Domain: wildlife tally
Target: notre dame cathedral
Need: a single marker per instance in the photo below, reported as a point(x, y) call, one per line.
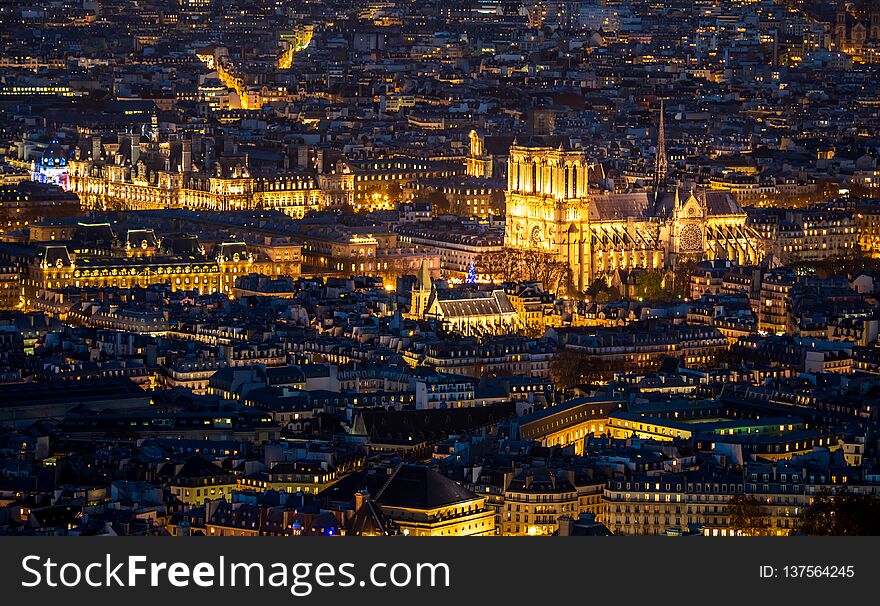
point(552, 207)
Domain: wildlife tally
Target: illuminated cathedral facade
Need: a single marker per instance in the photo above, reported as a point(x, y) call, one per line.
point(552, 207)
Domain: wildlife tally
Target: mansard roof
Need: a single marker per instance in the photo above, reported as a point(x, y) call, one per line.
point(55, 255)
point(135, 238)
point(417, 487)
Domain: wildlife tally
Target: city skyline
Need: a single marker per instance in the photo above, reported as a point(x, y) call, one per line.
point(439, 268)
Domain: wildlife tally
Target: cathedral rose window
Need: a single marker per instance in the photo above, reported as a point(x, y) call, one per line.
point(691, 238)
point(536, 236)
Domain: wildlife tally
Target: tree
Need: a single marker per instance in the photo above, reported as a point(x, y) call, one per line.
point(554, 275)
point(492, 265)
point(680, 285)
point(440, 204)
point(843, 514)
point(513, 265)
point(649, 285)
point(511, 262)
point(394, 190)
point(748, 517)
point(530, 332)
point(500, 266)
point(396, 267)
point(530, 265)
point(599, 285)
point(497, 201)
point(570, 368)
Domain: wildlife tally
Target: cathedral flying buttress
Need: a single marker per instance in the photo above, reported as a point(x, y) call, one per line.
point(552, 208)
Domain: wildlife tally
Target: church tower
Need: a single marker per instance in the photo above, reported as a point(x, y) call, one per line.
point(548, 202)
point(874, 31)
point(476, 165)
point(421, 292)
point(840, 25)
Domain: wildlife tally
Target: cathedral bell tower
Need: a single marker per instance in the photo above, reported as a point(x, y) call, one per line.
point(548, 202)
point(840, 25)
point(874, 31)
point(476, 163)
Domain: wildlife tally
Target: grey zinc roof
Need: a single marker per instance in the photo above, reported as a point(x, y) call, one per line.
point(494, 304)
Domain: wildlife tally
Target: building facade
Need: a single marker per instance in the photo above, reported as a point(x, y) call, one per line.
point(132, 175)
point(551, 207)
point(54, 268)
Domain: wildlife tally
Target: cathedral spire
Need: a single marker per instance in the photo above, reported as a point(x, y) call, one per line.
point(425, 281)
point(661, 165)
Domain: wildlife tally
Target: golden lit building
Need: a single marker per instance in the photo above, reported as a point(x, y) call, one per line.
point(422, 502)
point(283, 252)
point(553, 208)
point(867, 221)
point(22, 204)
point(421, 292)
point(309, 477)
point(197, 480)
point(294, 42)
point(533, 305)
point(132, 175)
point(465, 310)
point(54, 267)
point(10, 286)
point(534, 501)
point(651, 505)
point(566, 424)
point(473, 312)
point(378, 184)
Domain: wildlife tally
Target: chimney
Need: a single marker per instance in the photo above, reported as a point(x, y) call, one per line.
point(186, 156)
point(135, 148)
point(209, 153)
point(360, 497)
point(565, 525)
point(197, 147)
point(211, 508)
